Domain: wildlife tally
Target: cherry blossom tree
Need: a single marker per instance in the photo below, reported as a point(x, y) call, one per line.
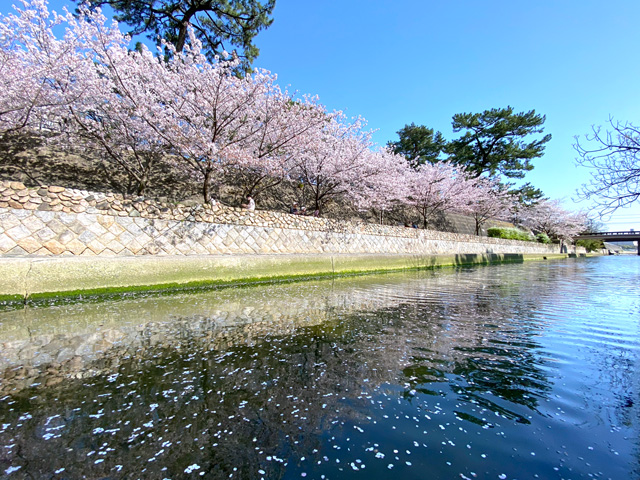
point(77, 90)
point(136, 109)
point(437, 188)
point(488, 199)
point(40, 74)
point(551, 218)
point(389, 185)
point(283, 124)
point(31, 62)
point(338, 160)
point(116, 118)
point(208, 113)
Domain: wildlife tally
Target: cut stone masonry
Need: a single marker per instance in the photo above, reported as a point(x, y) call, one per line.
point(52, 221)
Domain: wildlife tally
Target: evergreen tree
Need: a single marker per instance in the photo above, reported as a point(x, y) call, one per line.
point(527, 194)
point(493, 142)
point(419, 144)
point(220, 25)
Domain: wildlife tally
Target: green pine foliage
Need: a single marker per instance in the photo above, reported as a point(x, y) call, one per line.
point(229, 25)
point(493, 142)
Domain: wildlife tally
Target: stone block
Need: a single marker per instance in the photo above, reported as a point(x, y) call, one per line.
point(183, 248)
point(105, 220)
point(6, 243)
point(44, 234)
point(227, 241)
point(152, 249)
point(45, 216)
point(143, 239)
point(67, 218)
point(125, 238)
point(30, 206)
point(8, 220)
point(116, 229)
point(134, 229)
point(96, 229)
point(199, 249)
point(18, 232)
point(76, 247)
point(56, 226)
point(86, 236)
point(17, 251)
point(22, 214)
point(30, 245)
point(96, 246)
point(87, 220)
point(134, 247)
point(65, 237)
point(54, 247)
point(107, 237)
point(115, 246)
point(33, 223)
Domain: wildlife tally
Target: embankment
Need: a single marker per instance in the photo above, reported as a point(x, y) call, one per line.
point(63, 242)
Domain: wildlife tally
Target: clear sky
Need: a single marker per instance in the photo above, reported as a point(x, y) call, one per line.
point(402, 61)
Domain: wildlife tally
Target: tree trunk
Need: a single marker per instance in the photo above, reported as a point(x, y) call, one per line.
point(206, 191)
point(184, 28)
point(142, 185)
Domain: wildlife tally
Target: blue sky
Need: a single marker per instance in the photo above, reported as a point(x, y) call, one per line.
point(402, 61)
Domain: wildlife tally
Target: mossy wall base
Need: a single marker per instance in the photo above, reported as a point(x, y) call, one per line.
point(32, 280)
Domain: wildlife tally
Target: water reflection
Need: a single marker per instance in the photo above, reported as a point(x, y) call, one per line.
point(490, 372)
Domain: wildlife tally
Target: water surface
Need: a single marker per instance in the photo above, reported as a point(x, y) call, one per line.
point(513, 371)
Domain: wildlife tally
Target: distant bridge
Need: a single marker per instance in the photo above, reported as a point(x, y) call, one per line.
point(631, 235)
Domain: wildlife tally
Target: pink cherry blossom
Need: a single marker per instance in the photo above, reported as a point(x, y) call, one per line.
point(437, 188)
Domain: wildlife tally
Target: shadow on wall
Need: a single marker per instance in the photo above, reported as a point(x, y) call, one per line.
point(461, 259)
point(485, 259)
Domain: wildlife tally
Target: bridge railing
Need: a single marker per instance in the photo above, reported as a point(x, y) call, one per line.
point(610, 234)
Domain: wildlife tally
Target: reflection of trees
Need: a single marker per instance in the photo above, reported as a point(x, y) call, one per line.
point(171, 408)
point(488, 348)
point(268, 375)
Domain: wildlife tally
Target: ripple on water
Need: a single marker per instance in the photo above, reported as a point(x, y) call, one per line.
point(513, 371)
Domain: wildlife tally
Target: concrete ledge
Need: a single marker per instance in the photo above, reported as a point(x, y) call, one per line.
point(34, 280)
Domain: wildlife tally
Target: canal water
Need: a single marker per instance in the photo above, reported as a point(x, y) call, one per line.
point(516, 371)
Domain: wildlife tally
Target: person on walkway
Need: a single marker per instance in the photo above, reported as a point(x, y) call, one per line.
point(294, 209)
point(250, 205)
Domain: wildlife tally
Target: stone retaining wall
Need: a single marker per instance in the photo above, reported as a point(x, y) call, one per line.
point(53, 221)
